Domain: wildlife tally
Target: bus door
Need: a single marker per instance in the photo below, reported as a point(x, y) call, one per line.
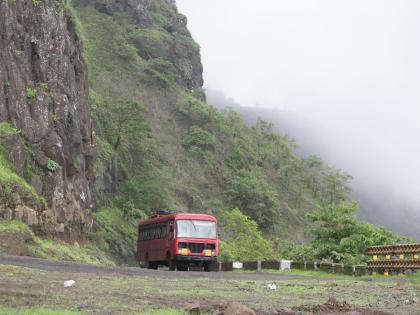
point(170, 236)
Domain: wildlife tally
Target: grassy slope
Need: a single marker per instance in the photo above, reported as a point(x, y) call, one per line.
point(45, 248)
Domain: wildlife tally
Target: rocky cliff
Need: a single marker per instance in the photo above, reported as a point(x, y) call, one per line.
point(43, 98)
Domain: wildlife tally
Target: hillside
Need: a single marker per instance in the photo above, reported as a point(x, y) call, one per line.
point(165, 147)
point(154, 143)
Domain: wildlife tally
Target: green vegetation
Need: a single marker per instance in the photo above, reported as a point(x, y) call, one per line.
point(197, 137)
point(116, 234)
point(31, 94)
point(242, 239)
point(6, 129)
point(34, 311)
point(72, 15)
point(36, 2)
point(43, 311)
point(9, 180)
point(52, 166)
point(14, 227)
point(45, 248)
point(339, 236)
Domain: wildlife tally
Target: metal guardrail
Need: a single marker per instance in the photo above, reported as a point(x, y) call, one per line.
point(393, 258)
point(385, 258)
point(355, 270)
point(393, 249)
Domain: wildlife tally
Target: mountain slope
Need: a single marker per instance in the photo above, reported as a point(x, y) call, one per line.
point(162, 146)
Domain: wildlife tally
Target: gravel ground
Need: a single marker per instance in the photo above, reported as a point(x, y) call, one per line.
point(30, 282)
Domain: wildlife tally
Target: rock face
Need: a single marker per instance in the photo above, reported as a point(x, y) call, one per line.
point(183, 55)
point(43, 94)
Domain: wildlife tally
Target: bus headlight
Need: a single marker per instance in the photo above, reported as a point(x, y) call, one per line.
point(212, 253)
point(179, 251)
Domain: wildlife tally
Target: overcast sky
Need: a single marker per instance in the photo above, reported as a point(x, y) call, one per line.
point(350, 67)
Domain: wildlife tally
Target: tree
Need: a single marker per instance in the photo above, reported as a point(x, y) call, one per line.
point(241, 239)
point(339, 236)
point(336, 186)
point(248, 191)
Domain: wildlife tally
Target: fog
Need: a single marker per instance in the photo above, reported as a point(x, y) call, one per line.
point(342, 77)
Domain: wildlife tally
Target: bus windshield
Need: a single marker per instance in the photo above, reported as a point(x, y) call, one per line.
point(196, 229)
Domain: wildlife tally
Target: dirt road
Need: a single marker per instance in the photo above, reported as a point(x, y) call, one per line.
point(51, 265)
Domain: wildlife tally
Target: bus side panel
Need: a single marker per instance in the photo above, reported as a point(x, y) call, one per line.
point(159, 247)
point(141, 250)
point(155, 243)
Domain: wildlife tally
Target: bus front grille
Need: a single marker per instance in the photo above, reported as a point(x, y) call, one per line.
point(196, 248)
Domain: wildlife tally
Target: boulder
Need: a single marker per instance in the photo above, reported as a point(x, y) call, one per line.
point(234, 308)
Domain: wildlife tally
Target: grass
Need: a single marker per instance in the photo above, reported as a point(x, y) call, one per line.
point(43, 311)
point(162, 312)
point(10, 181)
point(45, 248)
point(14, 227)
point(7, 129)
point(34, 311)
point(117, 294)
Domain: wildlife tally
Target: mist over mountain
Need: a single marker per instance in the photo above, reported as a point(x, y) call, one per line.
point(341, 77)
point(380, 200)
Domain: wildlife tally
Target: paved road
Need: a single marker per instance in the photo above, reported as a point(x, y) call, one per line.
point(66, 266)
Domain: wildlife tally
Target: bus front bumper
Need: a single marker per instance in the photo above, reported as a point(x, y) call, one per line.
point(187, 258)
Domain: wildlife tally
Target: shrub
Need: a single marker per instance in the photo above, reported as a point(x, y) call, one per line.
point(198, 111)
point(52, 166)
point(6, 129)
point(159, 71)
point(31, 94)
point(241, 238)
point(197, 137)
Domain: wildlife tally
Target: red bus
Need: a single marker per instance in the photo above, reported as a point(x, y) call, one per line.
point(178, 240)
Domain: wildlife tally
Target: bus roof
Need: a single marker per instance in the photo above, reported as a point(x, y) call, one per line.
point(174, 216)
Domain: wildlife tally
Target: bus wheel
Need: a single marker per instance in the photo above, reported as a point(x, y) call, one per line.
point(150, 265)
point(170, 262)
point(207, 267)
point(146, 262)
point(182, 267)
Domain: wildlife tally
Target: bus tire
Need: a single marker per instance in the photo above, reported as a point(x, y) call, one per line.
point(170, 262)
point(153, 265)
point(146, 263)
point(171, 265)
point(150, 264)
point(207, 267)
point(182, 267)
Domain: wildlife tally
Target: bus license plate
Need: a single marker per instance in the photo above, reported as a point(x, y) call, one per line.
point(184, 251)
point(207, 252)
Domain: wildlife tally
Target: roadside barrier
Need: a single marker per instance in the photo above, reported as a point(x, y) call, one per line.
point(397, 258)
point(356, 270)
point(386, 259)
